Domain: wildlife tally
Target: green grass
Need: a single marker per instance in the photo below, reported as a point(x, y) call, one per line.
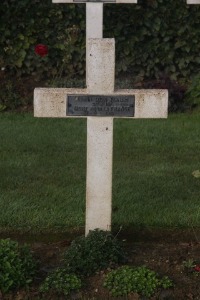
point(43, 167)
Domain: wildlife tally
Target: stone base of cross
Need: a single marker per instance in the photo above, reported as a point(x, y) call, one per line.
point(100, 103)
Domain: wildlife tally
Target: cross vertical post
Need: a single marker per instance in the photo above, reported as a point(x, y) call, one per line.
point(94, 25)
point(100, 81)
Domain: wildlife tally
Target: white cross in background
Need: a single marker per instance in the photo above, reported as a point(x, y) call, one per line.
point(193, 1)
point(100, 103)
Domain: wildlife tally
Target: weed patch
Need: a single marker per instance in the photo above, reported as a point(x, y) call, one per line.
point(17, 266)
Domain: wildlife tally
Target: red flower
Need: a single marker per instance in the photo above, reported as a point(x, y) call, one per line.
point(41, 50)
point(197, 268)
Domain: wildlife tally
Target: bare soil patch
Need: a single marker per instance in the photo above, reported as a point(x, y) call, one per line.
point(163, 251)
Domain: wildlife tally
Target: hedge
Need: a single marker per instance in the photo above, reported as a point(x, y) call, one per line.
point(153, 37)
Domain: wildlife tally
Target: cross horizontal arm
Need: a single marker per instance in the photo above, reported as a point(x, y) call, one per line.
point(95, 1)
point(53, 102)
point(193, 1)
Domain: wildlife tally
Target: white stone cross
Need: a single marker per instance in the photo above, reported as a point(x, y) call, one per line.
point(99, 103)
point(193, 1)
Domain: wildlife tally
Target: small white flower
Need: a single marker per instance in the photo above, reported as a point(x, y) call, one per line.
point(3, 68)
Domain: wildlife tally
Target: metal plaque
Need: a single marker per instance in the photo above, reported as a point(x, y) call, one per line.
point(101, 105)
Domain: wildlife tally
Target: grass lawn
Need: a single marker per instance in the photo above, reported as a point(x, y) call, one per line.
point(43, 167)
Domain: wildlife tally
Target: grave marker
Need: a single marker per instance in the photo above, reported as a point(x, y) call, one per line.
point(193, 1)
point(99, 103)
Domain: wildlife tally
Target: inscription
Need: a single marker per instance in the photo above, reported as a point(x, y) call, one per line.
point(101, 105)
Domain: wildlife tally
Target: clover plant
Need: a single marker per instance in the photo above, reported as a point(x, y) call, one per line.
point(61, 281)
point(141, 280)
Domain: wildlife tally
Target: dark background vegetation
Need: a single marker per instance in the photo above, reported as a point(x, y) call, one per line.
point(157, 43)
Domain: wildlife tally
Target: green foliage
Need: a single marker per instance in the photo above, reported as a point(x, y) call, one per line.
point(141, 280)
point(17, 266)
point(12, 94)
point(61, 282)
point(96, 251)
point(156, 36)
point(153, 37)
point(189, 264)
point(176, 91)
point(2, 107)
point(193, 92)
point(28, 23)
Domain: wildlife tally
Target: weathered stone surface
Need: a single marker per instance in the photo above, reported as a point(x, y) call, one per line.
point(99, 173)
point(94, 26)
point(101, 63)
point(51, 102)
